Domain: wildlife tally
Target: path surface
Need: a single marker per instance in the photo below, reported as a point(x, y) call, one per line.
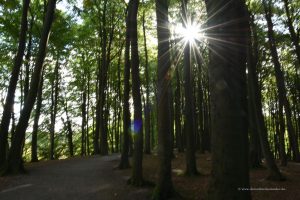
point(91, 178)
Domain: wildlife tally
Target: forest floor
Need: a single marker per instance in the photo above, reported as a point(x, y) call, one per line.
point(194, 188)
point(95, 178)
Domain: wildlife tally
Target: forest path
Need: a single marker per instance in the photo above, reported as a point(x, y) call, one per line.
point(89, 178)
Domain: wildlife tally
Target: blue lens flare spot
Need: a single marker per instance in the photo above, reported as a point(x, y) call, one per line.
point(136, 126)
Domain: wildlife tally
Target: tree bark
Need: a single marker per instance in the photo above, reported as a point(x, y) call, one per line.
point(87, 138)
point(178, 133)
point(124, 163)
point(102, 85)
point(54, 103)
point(68, 125)
point(147, 106)
point(164, 188)
point(83, 122)
point(189, 121)
point(137, 170)
point(228, 90)
point(9, 101)
point(27, 59)
point(200, 103)
point(34, 157)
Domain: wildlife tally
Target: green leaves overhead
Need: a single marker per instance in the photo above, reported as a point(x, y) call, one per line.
point(10, 4)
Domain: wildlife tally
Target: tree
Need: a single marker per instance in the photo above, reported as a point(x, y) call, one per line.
point(54, 104)
point(137, 170)
point(164, 188)
point(68, 125)
point(189, 121)
point(14, 164)
point(227, 82)
point(9, 102)
point(124, 163)
point(147, 104)
point(34, 157)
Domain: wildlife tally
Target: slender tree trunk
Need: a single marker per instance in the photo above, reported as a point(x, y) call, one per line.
point(68, 125)
point(171, 118)
point(102, 82)
point(164, 188)
point(189, 122)
point(252, 62)
point(147, 106)
point(83, 122)
point(9, 101)
point(54, 103)
point(119, 106)
point(98, 113)
point(34, 157)
point(124, 163)
point(137, 170)
point(200, 102)
point(178, 132)
point(27, 59)
point(15, 164)
point(87, 113)
point(102, 86)
point(227, 83)
point(206, 126)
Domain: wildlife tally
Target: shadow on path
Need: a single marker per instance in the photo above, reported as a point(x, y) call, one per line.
point(90, 178)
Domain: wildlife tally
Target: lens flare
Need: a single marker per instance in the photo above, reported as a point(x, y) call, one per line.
point(136, 126)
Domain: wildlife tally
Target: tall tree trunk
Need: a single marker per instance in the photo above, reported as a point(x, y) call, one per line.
point(83, 122)
point(103, 83)
point(27, 59)
point(200, 102)
point(148, 106)
point(9, 101)
point(227, 83)
point(137, 170)
point(15, 164)
point(164, 188)
point(178, 133)
point(68, 125)
point(34, 157)
point(119, 106)
point(87, 113)
point(189, 122)
point(206, 113)
point(171, 118)
point(124, 163)
point(280, 83)
point(253, 90)
point(98, 113)
point(54, 103)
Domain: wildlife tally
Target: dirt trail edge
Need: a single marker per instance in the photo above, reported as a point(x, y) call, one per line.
point(91, 178)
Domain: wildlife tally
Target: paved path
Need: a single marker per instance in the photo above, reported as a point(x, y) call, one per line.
point(91, 178)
